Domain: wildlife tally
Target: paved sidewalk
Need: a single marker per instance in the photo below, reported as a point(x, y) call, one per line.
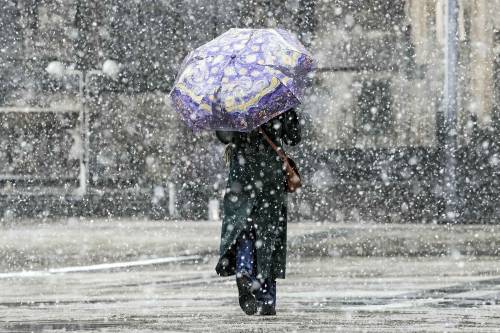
point(341, 277)
point(38, 245)
point(351, 294)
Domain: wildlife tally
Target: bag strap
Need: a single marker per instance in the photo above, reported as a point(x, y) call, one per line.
point(278, 150)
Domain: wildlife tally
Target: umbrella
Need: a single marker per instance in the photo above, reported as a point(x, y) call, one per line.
point(241, 79)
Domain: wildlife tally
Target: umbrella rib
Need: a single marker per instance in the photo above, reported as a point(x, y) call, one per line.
point(290, 46)
point(228, 62)
point(283, 40)
point(198, 57)
point(277, 68)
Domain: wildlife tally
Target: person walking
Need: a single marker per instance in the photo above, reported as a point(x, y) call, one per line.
point(244, 85)
point(253, 236)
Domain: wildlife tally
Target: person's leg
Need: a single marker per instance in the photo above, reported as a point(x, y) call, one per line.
point(244, 273)
point(272, 291)
point(244, 254)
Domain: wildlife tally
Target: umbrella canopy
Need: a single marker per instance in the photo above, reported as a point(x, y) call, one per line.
point(241, 79)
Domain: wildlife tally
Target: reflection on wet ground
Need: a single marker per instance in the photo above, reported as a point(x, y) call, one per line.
point(320, 294)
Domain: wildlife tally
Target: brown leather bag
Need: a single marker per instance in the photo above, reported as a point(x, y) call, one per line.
point(293, 179)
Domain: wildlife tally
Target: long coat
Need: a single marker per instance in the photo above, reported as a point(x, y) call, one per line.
point(255, 196)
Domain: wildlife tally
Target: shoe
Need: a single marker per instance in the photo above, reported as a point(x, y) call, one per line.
point(266, 309)
point(266, 298)
point(246, 298)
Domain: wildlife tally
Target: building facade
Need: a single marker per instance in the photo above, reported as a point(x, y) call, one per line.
point(100, 110)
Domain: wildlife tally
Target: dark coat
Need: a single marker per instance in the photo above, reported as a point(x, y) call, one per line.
point(255, 196)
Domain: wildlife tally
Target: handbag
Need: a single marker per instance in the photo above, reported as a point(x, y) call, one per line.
point(293, 179)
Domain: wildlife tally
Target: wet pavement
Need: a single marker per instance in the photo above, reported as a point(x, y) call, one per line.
point(345, 278)
point(44, 244)
point(323, 295)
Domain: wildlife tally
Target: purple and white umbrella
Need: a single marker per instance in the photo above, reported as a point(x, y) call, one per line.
point(241, 79)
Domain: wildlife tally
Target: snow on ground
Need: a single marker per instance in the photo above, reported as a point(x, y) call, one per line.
point(38, 245)
point(425, 278)
point(323, 295)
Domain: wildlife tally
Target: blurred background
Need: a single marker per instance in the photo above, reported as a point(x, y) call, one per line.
point(86, 128)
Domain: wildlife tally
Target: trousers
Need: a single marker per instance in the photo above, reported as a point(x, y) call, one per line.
point(265, 290)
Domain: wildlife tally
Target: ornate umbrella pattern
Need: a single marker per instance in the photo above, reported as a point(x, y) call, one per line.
point(241, 79)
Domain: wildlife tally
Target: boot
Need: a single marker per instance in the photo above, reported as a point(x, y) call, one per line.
point(266, 298)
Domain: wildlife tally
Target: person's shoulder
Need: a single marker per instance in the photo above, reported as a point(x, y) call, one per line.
point(291, 114)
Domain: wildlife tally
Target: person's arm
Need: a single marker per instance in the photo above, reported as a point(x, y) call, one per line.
point(224, 136)
point(291, 130)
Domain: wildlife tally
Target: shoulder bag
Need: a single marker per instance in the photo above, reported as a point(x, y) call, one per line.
point(293, 179)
